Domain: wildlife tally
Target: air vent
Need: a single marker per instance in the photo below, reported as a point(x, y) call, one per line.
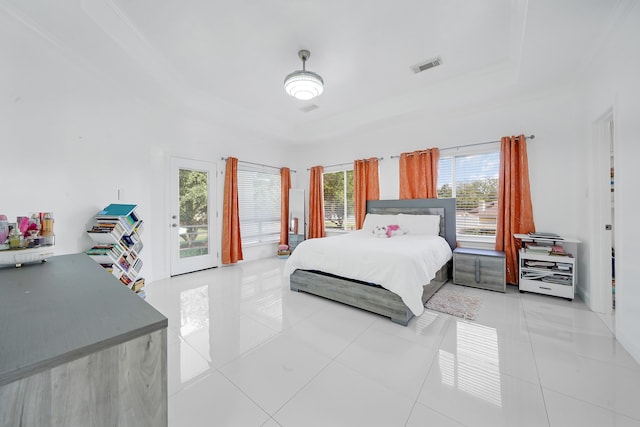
point(427, 65)
point(309, 108)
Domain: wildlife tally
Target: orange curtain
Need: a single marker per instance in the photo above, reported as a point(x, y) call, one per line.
point(316, 203)
point(419, 174)
point(366, 186)
point(285, 186)
point(515, 212)
point(231, 240)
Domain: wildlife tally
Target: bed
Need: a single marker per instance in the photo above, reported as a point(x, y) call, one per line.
point(371, 295)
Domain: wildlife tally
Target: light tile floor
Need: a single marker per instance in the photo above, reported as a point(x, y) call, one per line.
point(244, 350)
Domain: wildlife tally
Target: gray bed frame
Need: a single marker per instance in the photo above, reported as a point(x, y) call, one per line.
point(372, 297)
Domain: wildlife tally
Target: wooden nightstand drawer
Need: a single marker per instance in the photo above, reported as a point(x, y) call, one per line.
point(479, 268)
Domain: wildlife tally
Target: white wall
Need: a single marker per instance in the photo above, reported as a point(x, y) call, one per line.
point(71, 139)
point(611, 82)
point(550, 116)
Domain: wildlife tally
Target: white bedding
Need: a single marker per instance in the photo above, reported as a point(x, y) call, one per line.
point(401, 264)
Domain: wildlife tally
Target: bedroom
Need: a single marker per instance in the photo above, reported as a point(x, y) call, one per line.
point(70, 128)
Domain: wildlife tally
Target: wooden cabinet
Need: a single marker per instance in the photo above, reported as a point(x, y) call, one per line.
point(78, 349)
point(479, 268)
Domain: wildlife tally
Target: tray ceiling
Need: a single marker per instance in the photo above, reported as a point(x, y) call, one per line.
point(226, 61)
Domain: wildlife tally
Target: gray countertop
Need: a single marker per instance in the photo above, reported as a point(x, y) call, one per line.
point(58, 311)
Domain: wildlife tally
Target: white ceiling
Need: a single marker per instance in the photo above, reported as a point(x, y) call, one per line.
point(226, 60)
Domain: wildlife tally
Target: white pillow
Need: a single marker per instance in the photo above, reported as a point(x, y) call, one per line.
point(373, 220)
point(420, 224)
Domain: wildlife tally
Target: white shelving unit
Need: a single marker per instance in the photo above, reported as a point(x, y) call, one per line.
point(118, 244)
point(548, 274)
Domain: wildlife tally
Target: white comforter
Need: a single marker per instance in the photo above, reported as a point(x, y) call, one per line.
point(401, 264)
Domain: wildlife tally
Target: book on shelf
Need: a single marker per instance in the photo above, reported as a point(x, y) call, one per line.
point(137, 285)
point(116, 209)
point(125, 280)
point(137, 266)
point(103, 250)
point(102, 233)
point(137, 247)
point(119, 213)
point(544, 235)
point(109, 253)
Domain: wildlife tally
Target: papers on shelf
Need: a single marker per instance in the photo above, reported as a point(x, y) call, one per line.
point(557, 279)
point(532, 275)
point(543, 264)
point(542, 235)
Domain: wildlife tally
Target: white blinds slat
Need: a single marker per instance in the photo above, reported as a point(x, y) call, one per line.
point(259, 204)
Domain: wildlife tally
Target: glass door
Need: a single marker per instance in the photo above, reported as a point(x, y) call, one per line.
point(193, 213)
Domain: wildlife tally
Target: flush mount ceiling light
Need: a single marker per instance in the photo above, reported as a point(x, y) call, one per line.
point(303, 84)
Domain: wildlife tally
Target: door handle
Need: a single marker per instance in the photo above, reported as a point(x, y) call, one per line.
point(174, 225)
point(477, 270)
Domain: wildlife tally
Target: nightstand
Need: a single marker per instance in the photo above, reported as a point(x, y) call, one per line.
point(479, 268)
point(295, 240)
point(547, 265)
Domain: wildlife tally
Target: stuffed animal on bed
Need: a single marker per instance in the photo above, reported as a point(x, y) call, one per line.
point(379, 231)
point(387, 231)
point(394, 230)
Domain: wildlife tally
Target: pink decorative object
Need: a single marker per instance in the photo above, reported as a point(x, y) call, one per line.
point(392, 229)
point(23, 224)
point(395, 230)
point(4, 229)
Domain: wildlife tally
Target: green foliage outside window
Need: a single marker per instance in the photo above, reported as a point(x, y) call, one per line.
point(193, 197)
point(194, 206)
point(472, 194)
point(338, 198)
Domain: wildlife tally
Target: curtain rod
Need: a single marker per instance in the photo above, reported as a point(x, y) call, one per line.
point(256, 164)
point(345, 164)
point(469, 145)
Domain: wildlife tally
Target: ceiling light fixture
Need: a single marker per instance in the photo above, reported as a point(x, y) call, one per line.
point(303, 84)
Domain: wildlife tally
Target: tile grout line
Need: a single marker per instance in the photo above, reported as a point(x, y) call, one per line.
point(535, 361)
point(437, 352)
point(331, 360)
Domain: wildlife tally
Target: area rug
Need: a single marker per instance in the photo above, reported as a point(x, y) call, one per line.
point(455, 303)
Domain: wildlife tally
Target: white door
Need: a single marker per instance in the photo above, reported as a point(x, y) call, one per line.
point(193, 214)
point(601, 270)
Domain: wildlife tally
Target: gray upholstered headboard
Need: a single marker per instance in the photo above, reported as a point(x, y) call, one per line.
point(446, 208)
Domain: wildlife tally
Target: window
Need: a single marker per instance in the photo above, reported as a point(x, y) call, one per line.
point(473, 180)
point(339, 212)
point(259, 204)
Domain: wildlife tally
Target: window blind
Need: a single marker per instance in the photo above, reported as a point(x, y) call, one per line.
point(259, 204)
point(473, 180)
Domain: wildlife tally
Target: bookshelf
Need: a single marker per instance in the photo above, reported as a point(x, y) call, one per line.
point(117, 245)
point(547, 265)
